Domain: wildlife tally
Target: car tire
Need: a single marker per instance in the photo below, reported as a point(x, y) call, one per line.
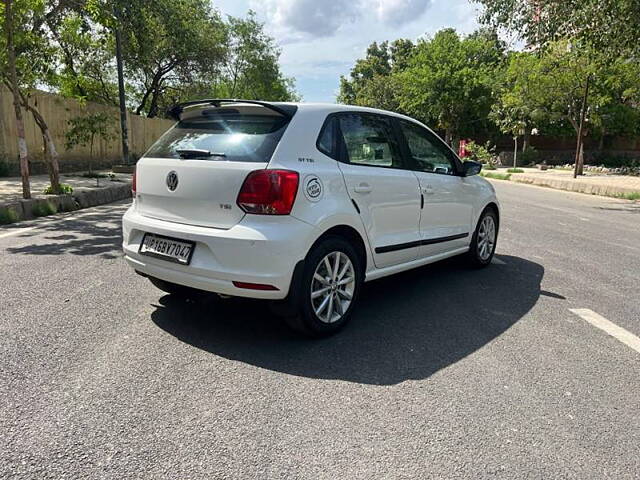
point(174, 289)
point(485, 239)
point(325, 300)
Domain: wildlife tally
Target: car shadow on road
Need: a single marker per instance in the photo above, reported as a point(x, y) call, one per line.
point(407, 326)
point(95, 233)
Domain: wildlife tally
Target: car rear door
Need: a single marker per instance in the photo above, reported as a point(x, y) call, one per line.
point(447, 199)
point(194, 172)
point(385, 193)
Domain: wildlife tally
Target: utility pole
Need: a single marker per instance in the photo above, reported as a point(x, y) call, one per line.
point(121, 94)
point(578, 169)
point(13, 79)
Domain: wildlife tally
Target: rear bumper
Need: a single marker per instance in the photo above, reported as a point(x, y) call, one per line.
point(259, 250)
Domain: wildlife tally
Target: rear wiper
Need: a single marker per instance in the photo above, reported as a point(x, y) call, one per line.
point(197, 153)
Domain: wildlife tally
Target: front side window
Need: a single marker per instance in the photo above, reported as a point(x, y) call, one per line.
point(426, 152)
point(238, 137)
point(369, 140)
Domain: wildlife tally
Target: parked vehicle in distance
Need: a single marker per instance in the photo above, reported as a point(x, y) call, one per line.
point(301, 204)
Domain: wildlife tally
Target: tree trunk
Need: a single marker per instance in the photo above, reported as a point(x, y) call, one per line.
point(91, 155)
point(50, 152)
point(581, 158)
point(153, 106)
point(527, 138)
point(578, 170)
point(22, 141)
point(122, 98)
point(448, 136)
point(515, 152)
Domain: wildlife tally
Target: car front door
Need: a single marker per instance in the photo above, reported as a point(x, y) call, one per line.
point(386, 194)
point(447, 198)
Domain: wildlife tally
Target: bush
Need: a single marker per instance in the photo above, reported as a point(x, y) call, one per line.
point(42, 209)
point(484, 154)
point(64, 188)
point(529, 157)
point(7, 216)
point(515, 170)
point(94, 175)
point(604, 160)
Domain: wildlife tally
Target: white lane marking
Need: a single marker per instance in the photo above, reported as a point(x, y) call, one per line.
point(497, 261)
point(611, 328)
point(16, 232)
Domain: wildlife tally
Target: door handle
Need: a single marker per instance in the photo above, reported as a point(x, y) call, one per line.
point(428, 190)
point(363, 188)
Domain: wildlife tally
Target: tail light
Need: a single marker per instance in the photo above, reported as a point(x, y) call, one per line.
point(133, 184)
point(269, 192)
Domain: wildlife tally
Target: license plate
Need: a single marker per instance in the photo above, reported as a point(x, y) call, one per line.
point(167, 248)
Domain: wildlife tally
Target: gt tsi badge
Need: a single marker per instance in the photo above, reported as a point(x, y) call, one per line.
point(312, 188)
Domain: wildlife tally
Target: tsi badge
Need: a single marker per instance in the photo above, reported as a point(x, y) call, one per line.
point(312, 188)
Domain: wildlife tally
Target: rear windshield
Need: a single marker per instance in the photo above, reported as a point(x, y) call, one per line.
point(239, 138)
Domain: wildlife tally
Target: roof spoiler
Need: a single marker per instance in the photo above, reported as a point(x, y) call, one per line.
point(285, 110)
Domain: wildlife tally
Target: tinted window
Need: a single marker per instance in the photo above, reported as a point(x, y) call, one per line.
point(241, 138)
point(369, 140)
point(325, 141)
point(427, 152)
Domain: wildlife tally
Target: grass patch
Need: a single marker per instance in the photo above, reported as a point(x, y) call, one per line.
point(7, 216)
point(64, 188)
point(629, 196)
point(489, 167)
point(515, 170)
point(42, 209)
point(496, 176)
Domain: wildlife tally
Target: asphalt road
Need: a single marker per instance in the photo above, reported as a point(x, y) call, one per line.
point(444, 372)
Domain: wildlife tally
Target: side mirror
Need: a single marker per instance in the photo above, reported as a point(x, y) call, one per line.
point(470, 169)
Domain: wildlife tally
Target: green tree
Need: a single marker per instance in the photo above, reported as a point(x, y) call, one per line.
point(606, 25)
point(517, 109)
point(84, 131)
point(450, 82)
point(26, 60)
point(372, 82)
point(250, 67)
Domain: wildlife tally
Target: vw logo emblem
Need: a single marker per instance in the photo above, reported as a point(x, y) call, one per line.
point(172, 180)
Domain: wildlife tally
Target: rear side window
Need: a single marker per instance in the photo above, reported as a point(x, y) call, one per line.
point(326, 140)
point(369, 140)
point(239, 138)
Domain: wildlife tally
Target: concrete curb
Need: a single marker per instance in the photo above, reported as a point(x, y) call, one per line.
point(572, 185)
point(80, 198)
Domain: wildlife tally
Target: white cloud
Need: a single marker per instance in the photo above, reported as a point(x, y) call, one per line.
point(400, 12)
point(321, 39)
point(317, 19)
point(312, 17)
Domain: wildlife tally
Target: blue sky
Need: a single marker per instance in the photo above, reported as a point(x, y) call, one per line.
point(321, 39)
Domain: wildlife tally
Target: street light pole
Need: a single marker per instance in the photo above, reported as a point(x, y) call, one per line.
point(121, 94)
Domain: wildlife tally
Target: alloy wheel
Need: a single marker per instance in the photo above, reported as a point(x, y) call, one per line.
point(332, 287)
point(486, 237)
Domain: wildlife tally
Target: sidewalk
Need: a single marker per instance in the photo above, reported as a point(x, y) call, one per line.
point(591, 183)
point(87, 192)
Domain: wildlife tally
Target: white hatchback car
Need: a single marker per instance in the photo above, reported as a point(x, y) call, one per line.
point(301, 204)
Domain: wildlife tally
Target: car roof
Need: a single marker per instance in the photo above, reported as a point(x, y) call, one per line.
point(337, 107)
